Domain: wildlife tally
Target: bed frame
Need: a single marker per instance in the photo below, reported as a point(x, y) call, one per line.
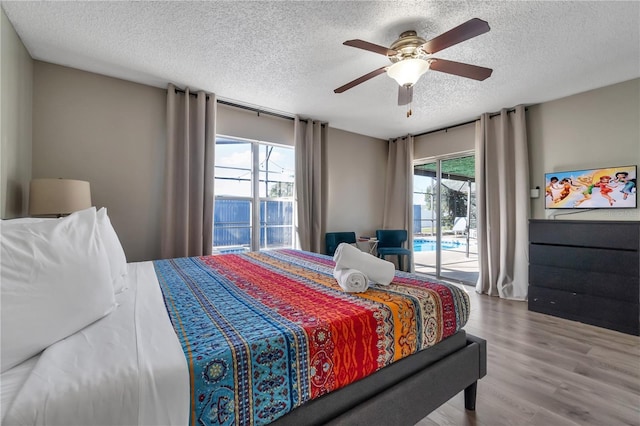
point(405, 391)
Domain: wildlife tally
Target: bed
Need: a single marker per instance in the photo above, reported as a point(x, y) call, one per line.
point(169, 353)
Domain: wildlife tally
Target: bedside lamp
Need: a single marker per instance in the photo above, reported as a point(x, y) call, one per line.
point(58, 197)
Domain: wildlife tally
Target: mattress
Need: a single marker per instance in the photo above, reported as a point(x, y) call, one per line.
point(251, 311)
point(265, 332)
point(11, 382)
point(125, 369)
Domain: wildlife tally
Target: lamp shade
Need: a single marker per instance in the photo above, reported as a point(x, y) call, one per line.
point(408, 71)
point(58, 196)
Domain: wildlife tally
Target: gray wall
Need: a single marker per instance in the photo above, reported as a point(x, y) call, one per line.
point(111, 133)
point(242, 123)
point(355, 177)
point(457, 140)
point(598, 128)
point(16, 75)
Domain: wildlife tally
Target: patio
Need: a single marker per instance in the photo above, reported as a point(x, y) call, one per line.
point(455, 263)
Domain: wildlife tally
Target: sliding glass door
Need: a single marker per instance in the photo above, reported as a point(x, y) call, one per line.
point(445, 218)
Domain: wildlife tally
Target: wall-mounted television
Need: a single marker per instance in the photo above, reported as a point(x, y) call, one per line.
point(606, 188)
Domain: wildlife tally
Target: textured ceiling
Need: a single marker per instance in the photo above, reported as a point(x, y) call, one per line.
point(287, 56)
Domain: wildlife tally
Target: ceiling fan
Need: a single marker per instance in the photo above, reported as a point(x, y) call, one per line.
point(411, 57)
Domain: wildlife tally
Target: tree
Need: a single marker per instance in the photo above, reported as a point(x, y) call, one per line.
point(454, 202)
point(281, 189)
point(429, 197)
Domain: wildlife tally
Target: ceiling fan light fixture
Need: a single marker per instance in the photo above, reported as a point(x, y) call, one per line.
point(408, 71)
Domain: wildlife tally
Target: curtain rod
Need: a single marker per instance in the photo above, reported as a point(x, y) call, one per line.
point(261, 111)
point(256, 110)
point(464, 124)
point(445, 128)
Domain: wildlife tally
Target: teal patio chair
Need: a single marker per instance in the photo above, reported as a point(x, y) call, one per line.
point(333, 239)
point(390, 244)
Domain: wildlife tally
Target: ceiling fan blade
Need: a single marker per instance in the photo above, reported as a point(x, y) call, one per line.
point(360, 80)
point(375, 48)
point(472, 28)
point(463, 70)
point(405, 95)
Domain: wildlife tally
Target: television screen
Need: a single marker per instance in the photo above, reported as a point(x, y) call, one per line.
point(608, 188)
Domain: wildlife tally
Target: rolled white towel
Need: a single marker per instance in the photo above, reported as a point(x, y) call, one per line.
point(351, 280)
point(378, 270)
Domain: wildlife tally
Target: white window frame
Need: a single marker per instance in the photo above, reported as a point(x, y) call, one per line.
point(255, 199)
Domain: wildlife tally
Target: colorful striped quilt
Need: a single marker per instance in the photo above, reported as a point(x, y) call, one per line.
point(264, 332)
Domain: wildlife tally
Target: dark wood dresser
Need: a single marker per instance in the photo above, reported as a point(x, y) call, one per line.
point(586, 271)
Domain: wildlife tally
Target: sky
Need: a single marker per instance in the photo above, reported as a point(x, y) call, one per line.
point(238, 157)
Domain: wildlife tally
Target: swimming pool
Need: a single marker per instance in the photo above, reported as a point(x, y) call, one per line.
point(421, 244)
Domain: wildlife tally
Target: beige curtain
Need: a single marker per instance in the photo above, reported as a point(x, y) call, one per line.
point(502, 172)
point(310, 139)
point(188, 203)
point(398, 193)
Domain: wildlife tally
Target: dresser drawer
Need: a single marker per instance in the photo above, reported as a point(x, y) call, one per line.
point(618, 262)
point(583, 233)
point(612, 314)
point(559, 303)
point(581, 281)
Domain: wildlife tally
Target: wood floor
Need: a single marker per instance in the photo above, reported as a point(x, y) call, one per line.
point(543, 370)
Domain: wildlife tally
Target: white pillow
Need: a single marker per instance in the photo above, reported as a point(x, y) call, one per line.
point(26, 220)
point(55, 281)
point(117, 258)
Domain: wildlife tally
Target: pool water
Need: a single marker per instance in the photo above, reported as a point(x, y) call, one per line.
point(420, 244)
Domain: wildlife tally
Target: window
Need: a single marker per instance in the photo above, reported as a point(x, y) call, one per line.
point(249, 174)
